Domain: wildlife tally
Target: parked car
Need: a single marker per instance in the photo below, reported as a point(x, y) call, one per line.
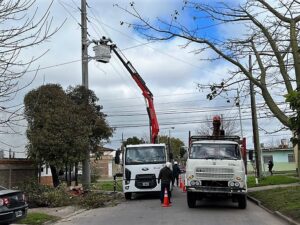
point(13, 206)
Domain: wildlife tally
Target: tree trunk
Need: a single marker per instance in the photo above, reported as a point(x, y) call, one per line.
point(66, 173)
point(54, 176)
point(70, 176)
point(76, 174)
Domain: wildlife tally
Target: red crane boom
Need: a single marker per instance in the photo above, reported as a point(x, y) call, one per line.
point(154, 127)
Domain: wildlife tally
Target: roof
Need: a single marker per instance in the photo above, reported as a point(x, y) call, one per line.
point(274, 149)
point(145, 145)
point(215, 142)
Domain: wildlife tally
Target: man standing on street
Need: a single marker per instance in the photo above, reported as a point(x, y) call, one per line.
point(176, 172)
point(165, 176)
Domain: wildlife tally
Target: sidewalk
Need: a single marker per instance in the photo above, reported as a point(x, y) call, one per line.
point(262, 188)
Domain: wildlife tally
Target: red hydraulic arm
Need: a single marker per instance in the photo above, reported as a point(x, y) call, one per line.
point(154, 127)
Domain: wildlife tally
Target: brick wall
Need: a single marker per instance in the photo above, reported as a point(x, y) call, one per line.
point(16, 171)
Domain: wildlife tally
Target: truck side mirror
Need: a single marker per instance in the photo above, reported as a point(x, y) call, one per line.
point(117, 157)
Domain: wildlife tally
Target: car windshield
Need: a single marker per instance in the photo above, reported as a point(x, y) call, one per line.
point(145, 155)
point(215, 151)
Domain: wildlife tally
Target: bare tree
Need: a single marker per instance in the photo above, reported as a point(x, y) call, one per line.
point(228, 125)
point(268, 30)
point(19, 30)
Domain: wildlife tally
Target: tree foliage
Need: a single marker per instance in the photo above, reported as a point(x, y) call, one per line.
point(91, 115)
point(61, 127)
point(133, 141)
point(175, 145)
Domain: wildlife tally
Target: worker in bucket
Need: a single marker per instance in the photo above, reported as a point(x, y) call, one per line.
point(166, 178)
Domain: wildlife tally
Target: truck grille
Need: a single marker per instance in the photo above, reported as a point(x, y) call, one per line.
point(214, 173)
point(145, 181)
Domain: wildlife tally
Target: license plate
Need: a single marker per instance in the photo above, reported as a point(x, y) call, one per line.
point(145, 184)
point(19, 213)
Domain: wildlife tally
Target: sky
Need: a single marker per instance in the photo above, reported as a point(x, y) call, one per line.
point(170, 72)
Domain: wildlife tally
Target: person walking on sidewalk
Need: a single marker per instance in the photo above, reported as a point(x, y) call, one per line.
point(166, 178)
point(270, 166)
point(176, 172)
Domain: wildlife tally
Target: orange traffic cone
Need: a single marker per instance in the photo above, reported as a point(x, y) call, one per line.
point(166, 202)
point(180, 182)
point(183, 188)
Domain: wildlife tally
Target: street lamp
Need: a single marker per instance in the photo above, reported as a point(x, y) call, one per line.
point(166, 128)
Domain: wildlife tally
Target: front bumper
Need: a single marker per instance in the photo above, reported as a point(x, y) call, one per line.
point(217, 190)
point(12, 215)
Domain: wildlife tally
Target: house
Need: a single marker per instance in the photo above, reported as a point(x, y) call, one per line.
point(282, 157)
point(16, 171)
point(103, 166)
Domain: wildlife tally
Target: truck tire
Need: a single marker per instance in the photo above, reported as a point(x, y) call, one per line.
point(128, 195)
point(242, 201)
point(191, 199)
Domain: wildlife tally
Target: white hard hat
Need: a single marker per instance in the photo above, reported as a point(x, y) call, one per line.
point(175, 162)
point(168, 164)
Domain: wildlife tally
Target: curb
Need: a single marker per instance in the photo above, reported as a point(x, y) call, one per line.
point(276, 213)
point(65, 217)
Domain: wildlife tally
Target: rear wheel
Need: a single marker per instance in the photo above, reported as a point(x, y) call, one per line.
point(191, 199)
point(128, 195)
point(242, 201)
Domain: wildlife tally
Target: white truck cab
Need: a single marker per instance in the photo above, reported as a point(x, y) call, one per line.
point(141, 166)
point(215, 167)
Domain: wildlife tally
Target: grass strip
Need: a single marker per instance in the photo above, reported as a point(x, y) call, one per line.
point(285, 200)
point(36, 218)
point(271, 180)
point(107, 185)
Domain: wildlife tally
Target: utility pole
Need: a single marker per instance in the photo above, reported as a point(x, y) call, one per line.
point(86, 172)
point(255, 126)
point(240, 114)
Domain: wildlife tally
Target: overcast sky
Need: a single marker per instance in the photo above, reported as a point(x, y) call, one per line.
point(170, 72)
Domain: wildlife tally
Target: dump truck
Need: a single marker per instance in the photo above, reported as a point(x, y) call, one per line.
point(215, 167)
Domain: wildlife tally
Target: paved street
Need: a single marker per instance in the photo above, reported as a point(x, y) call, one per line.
point(147, 211)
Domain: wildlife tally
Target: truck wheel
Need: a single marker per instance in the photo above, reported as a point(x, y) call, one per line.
point(191, 199)
point(128, 195)
point(242, 201)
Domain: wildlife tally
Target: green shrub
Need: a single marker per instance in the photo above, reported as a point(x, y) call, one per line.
point(41, 195)
point(56, 197)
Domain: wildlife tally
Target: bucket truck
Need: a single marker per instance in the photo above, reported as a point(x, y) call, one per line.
point(141, 163)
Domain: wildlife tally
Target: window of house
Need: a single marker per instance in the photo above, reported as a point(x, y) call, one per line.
point(291, 158)
point(267, 158)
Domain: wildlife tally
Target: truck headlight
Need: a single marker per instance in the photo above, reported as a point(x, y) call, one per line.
point(233, 183)
point(195, 183)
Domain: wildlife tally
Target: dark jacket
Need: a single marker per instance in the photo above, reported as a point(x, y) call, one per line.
point(176, 170)
point(165, 175)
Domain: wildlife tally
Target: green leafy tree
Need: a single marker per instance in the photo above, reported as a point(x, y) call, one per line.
point(133, 141)
point(62, 127)
point(175, 145)
point(91, 115)
point(52, 132)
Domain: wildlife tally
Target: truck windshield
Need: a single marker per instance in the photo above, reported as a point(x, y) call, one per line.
point(145, 155)
point(215, 151)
